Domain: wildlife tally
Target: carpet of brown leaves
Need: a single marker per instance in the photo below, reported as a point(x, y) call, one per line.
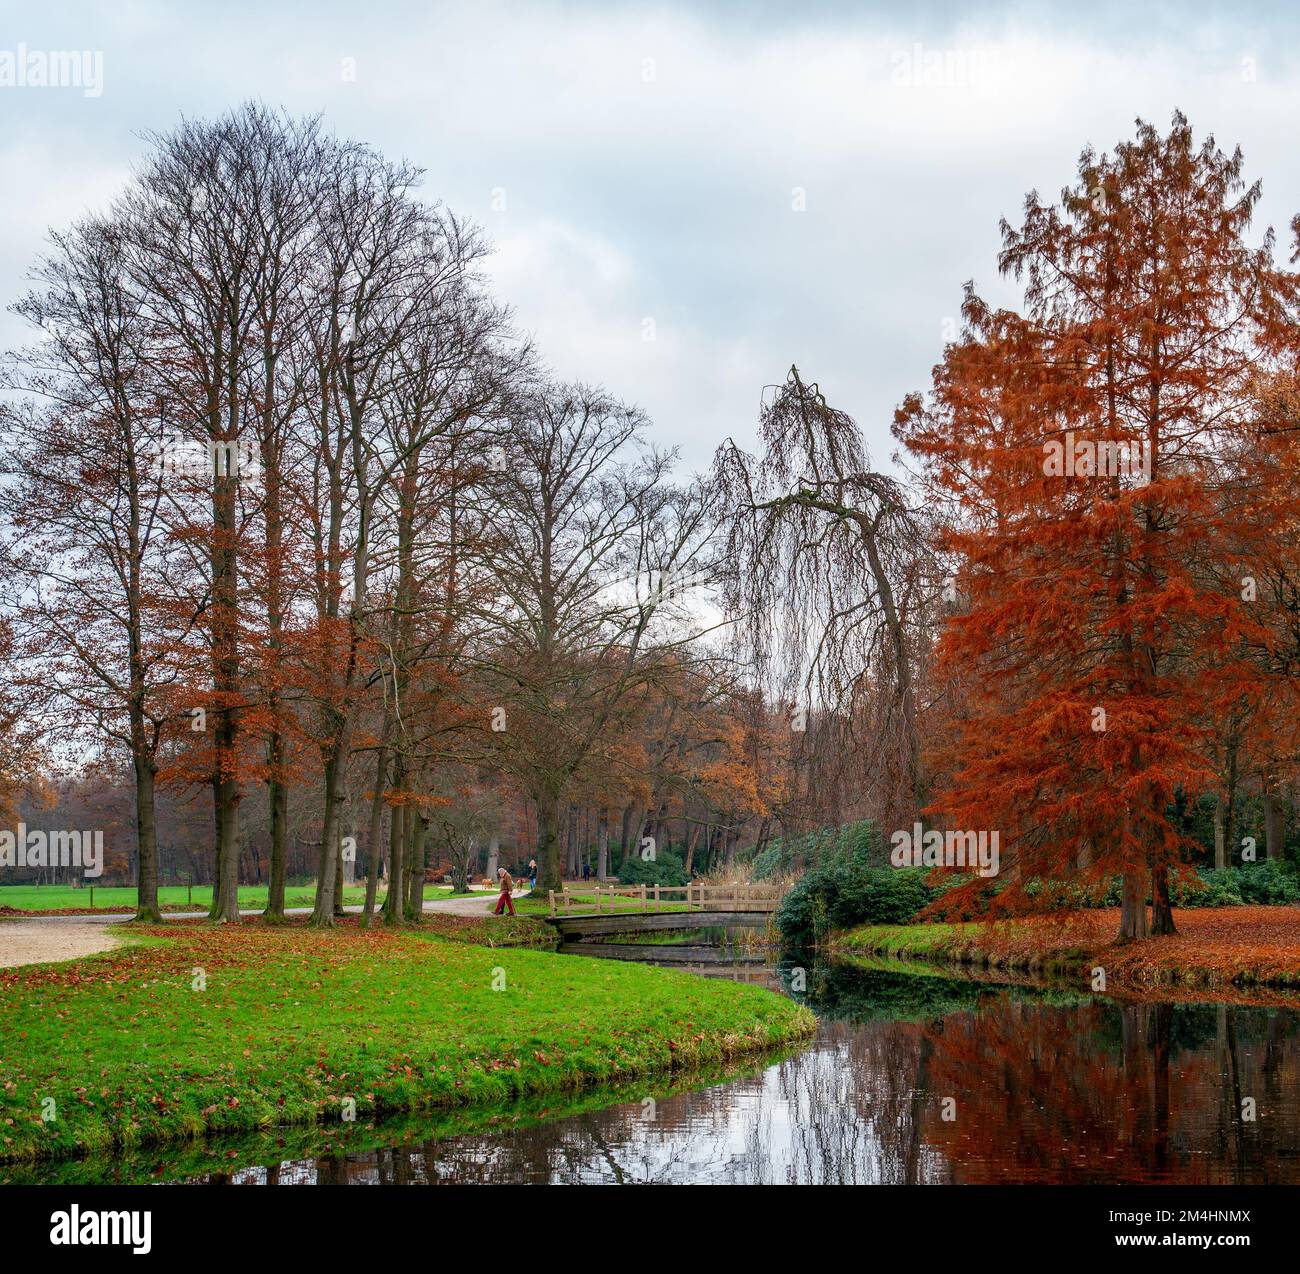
point(1212, 946)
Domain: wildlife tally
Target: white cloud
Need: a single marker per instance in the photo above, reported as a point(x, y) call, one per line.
point(668, 195)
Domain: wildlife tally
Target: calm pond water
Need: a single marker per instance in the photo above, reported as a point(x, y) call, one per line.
point(913, 1077)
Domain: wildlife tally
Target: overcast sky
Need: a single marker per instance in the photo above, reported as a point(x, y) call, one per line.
point(765, 183)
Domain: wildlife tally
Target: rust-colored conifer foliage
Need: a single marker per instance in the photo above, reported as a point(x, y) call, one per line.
point(1094, 455)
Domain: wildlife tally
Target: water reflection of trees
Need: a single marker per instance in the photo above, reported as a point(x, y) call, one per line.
point(1055, 1089)
point(1116, 1092)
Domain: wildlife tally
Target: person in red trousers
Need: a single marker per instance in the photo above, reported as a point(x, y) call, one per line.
point(507, 888)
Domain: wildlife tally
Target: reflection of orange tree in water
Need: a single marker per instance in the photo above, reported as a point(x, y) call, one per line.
point(1096, 1091)
point(1116, 1094)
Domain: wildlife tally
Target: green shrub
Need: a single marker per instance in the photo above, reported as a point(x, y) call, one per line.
point(666, 868)
point(1219, 889)
point(847, 894)
point(772, 860)
point(1270, 883)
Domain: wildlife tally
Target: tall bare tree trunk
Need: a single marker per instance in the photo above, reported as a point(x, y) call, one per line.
point(142, 753)
point(226, 788)
point(416, 851)
point(394, 899)
point(1225, 822)
point(692, 840)
point(548, 842)
point(146, 907)
point(340, 868)
point(602, 846)
point(1133, 922)
point(374, 830)
point(1273, 823)
point(277, 790)
point(322, 914)
point(1162, 912)
point(225, 883)
point(571, 844)
point(278, 800)
point(624, 833)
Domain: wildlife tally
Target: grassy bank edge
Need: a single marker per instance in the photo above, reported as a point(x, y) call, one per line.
point(222, 1153)
point(702, 1053)
point(974, 945)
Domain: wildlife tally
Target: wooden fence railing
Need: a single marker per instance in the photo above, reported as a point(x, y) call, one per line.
point(602, 899)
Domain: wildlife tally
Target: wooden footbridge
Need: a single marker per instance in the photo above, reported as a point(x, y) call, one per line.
point(587, 911)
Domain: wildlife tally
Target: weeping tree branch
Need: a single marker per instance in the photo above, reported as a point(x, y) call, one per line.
point(825, 562)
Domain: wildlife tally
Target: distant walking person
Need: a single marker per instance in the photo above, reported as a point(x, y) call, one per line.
point(507, 886)
point(532, 873)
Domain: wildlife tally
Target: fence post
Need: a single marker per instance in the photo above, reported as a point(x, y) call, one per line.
point(642, 897)
point(656, 893)
point(551, 894)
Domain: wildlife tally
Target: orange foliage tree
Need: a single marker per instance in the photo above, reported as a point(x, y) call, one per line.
point(1083, 448)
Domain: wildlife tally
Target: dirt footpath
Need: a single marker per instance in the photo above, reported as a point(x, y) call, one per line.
point(40, 941)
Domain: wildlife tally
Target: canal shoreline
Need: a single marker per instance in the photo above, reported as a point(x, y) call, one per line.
point(1217, 951)
point(212, 1156)
point(190, 1030)
point(1076, 981)
point(861, 1102)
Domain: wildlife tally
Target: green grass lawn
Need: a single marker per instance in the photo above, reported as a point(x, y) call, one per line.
point(292, 1025)
point(123, 897)
point(490, 930)
point(913, 940)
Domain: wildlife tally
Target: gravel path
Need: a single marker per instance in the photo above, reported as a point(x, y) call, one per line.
point(42, 941)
